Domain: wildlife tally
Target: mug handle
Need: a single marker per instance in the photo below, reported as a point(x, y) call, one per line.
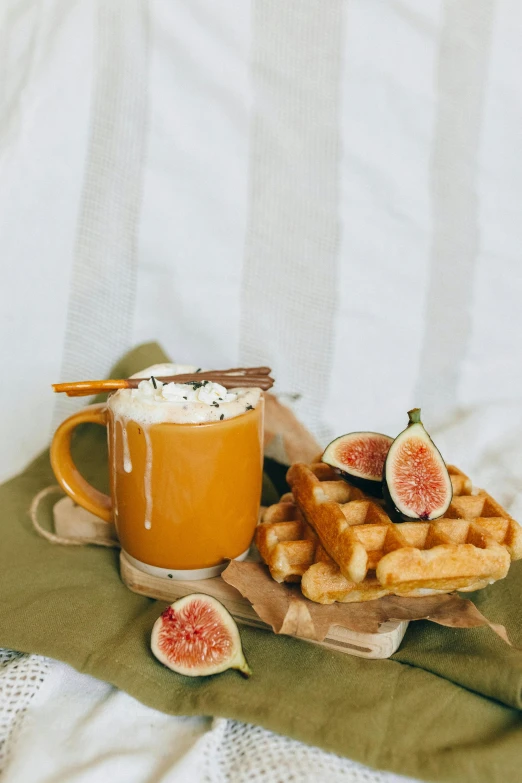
point(66, 472)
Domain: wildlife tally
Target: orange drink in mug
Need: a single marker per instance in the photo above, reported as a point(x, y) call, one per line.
point(185, 464)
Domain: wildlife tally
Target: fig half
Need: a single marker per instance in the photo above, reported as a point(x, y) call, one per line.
point(360, 456)
point(197, 636)
point(416, 482)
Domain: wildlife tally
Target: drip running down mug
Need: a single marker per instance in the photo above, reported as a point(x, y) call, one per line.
point(184, 496)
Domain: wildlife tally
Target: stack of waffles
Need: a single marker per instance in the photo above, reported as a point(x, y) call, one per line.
point(342, 545)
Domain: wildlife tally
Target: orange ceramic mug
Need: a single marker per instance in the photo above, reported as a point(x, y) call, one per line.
point(184, 494)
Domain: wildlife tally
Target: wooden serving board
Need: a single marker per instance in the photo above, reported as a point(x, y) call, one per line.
point(71, 521)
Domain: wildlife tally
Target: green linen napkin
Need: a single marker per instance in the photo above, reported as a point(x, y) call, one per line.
point(445, 708)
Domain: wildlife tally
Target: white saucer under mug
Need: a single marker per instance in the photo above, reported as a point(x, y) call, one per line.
point(183, 575)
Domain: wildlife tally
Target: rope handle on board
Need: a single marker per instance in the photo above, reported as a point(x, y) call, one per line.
point(52, 537)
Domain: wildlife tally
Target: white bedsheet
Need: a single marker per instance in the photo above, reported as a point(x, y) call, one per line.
point(79, 730)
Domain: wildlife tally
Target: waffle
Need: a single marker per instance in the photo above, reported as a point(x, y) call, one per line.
point(285, 541)
point(343, 546)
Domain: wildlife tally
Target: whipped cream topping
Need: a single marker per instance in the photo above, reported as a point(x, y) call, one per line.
point(189, 403)
point(201, 391)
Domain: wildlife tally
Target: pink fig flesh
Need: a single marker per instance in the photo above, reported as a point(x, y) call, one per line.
point(418, 480)
point(197, 636)
point(359, 454)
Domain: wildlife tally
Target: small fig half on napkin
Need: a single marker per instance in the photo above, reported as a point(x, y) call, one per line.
point(197, 636)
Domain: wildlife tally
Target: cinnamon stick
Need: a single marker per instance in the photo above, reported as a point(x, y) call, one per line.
point(238, 377)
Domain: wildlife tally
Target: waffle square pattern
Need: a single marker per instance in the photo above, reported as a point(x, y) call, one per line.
point(341, 545)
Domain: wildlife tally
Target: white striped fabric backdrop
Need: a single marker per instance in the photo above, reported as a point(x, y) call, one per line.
point(330, 188)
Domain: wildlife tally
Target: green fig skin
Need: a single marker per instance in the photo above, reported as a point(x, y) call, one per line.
point(395, 514)
point(414, 417)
